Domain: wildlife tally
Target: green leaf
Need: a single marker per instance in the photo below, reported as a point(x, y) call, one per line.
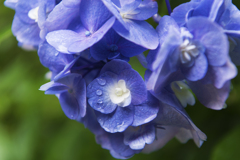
point(228, 147)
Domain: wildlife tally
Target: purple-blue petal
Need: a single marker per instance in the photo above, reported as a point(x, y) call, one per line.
point(135, 84)
point(117, 143)
point(62, 39)
point(93, 14)
point(137, 137)
point(217, 48)
point(98, 93)
point(181, 12)
point(198, 70)
point(218, 76)
point(146, 111)
point(86, 42)
point(116, 121)
point(109, 4)
point(139, 32)
point(115, 66)
point(62, 15)
point(145, 10)
point(199, 26)
point(209, 95)
point(26, 33)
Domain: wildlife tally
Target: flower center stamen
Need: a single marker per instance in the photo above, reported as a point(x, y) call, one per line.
point(188, 51)
point(33, 14)
point(119, 94)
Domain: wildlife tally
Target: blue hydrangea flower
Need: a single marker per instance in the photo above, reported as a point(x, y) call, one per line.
point(71, 92)
point(197, 52)
point(130, 22)
point(223, 12)
point(29, 18)
point(87, 22)
point(113, 46)
point(119, 97)
point(172, 121)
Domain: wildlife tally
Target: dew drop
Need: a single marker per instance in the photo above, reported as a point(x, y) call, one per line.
point(99, 101)
point(87, 33)
point(101, 81)
point(99, 92)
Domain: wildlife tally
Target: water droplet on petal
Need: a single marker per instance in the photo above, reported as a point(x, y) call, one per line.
point(87, 33)
point(101, 81)
point(99, 101)
point(99, 92)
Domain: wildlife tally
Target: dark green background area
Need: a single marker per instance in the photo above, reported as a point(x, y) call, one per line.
point(33, 126)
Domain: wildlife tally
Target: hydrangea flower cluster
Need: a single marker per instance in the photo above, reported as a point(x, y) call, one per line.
point(86, 44)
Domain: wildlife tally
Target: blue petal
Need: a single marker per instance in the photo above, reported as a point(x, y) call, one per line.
point(229, 19)
point(10, 4)
point(51, 58)
point(129, 49)
point(101, 50)
point(137, 137)
point(61, 16)
point(209, 95)
point(146, 112)
point(198, 70)
point(163, 28)
point(71, 3)
point(128, 6)
point(73, 102)
point(181, 12)
point(139, 32)
point(93, 14)
point(109, 4)
point(62, 39)
point(218, 76)
point(86, 42)
point(90, 122)
point(135, 84)
point(116, 66)
point(117, 143)
point(175, 115)
point(102, 102)
point(164, 58)
point(162, 137)
point(199, 26)
point(22, 9)
point(26, 33)
point(69, 105)
point(217, 48)
point(57, 89)
point(204, 8)
point(145, 10)
point(216, 5)
point(117, 121)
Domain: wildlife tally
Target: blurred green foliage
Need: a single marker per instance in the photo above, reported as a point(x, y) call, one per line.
point(33, 126)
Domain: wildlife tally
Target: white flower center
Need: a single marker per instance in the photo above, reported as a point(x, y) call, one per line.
point(188, 51)
point(119, 94)
point(33, 14)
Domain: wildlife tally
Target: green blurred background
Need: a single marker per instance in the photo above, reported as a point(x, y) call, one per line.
point(33, 126)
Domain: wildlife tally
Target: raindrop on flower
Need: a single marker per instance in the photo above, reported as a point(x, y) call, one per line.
point(99, 92)
point(101, 81)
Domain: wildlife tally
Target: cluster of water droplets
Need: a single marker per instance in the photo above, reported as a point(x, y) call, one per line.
point(99, 92)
